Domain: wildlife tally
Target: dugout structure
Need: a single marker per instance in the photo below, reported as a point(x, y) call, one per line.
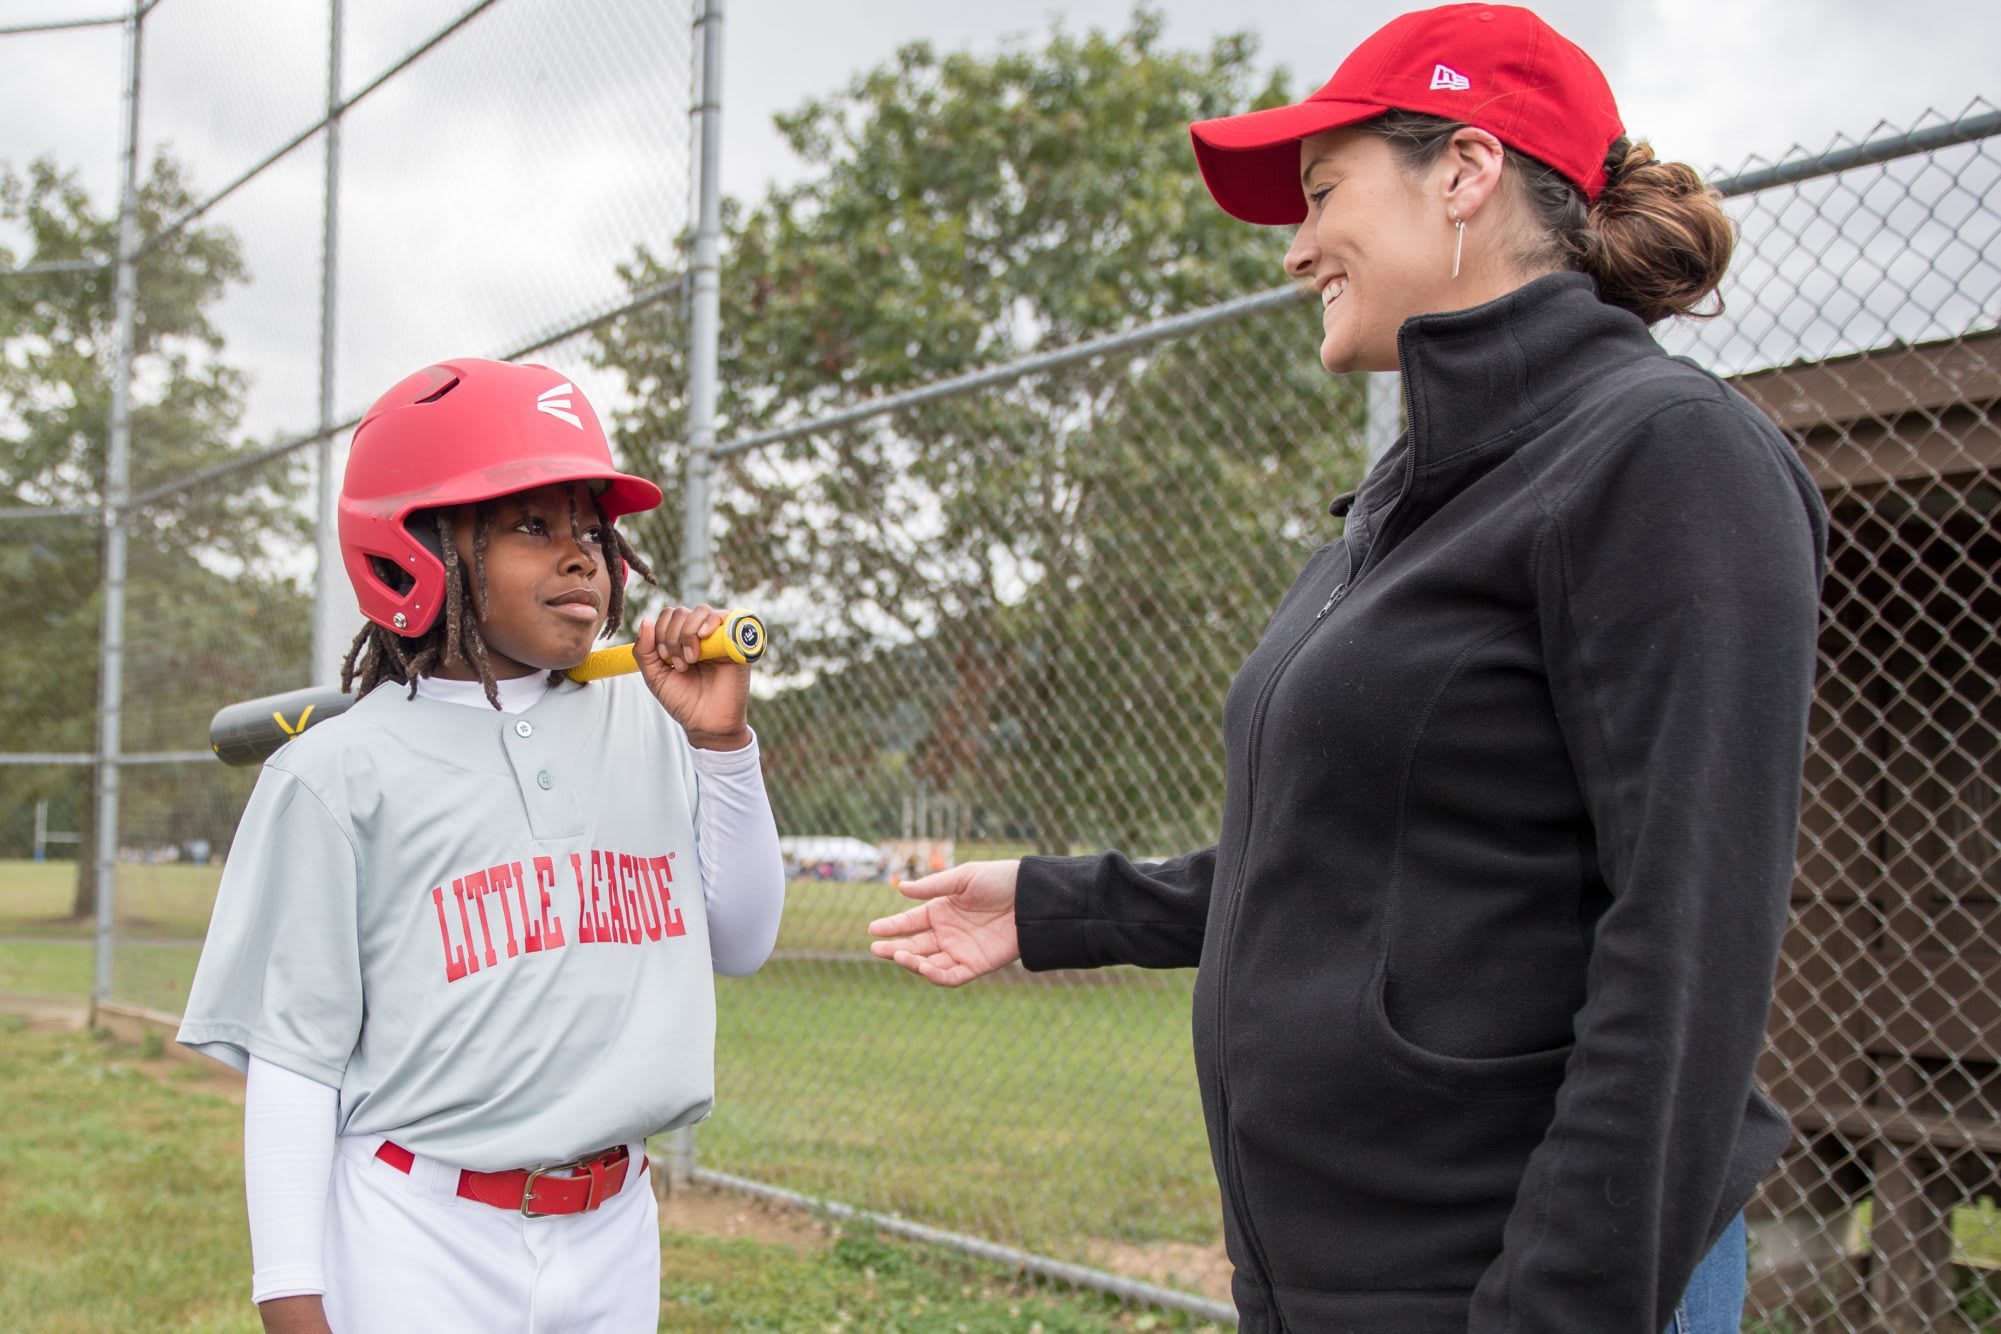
point(1886, 1029)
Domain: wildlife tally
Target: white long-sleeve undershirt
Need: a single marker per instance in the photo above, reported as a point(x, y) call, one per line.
point(289, 1120)
point(288, 1155)
point(743, 873)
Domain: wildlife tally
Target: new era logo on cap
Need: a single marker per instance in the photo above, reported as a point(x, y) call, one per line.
point(556, 402)
point(1444, 76)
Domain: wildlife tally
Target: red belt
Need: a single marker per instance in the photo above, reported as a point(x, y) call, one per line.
point(537, 1192)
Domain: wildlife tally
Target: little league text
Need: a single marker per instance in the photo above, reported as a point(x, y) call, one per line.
point(638, 890)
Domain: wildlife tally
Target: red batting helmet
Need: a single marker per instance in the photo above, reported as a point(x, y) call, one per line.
point(454, 433)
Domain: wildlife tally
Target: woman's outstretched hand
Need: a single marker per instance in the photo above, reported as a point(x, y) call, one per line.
point(963, 928)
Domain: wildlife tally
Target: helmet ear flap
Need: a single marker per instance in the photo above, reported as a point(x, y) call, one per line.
point(401, 585)
point(422, 526)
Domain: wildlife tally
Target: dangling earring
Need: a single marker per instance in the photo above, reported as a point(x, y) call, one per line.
point(1458, 242)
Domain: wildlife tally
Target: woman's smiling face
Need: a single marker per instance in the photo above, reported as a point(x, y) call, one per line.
point(1376, 247)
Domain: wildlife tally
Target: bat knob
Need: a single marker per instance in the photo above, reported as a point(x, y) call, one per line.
point(746, 635)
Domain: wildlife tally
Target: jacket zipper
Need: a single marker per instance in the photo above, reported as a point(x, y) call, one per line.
point(1232, 1172)
point(1409, 465)
point(1234, 1176)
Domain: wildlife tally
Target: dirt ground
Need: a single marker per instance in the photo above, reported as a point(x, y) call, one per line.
point(1170, 1264)
point(706, 1211)
point(61, 1013)
point(709, 1211)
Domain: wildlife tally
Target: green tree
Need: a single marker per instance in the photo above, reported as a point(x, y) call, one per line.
point(964, 211)
point(201, 564)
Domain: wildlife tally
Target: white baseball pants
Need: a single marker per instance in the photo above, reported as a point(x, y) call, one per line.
point(406, 1253)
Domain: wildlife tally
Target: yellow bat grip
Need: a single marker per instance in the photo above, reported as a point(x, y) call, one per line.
point(740, 638)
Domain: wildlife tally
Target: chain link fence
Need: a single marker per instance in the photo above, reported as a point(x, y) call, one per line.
point(1864, 322)
point(1005, 611)
point(1017, 642)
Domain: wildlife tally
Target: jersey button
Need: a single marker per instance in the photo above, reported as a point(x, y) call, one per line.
point(543, 781)
point(525, 728)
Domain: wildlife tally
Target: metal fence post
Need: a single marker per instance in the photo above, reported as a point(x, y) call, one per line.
point(704, 324)
point(333, 605)
point(117, 479)
point(704, 315)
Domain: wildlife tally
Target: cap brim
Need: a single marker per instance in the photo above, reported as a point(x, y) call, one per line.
point(1251, 162)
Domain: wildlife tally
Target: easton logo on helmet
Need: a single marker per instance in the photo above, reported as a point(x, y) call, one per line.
point(556, 402)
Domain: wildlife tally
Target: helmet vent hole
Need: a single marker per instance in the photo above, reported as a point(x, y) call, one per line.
point(440, 391)
point(389, 572)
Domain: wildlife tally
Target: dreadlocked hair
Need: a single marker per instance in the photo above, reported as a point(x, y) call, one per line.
point(379, 654)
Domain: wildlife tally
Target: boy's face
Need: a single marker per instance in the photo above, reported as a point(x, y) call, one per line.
point(546, 592)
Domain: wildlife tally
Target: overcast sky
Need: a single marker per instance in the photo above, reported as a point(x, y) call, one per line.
point(1708, 80)
point(488, 193)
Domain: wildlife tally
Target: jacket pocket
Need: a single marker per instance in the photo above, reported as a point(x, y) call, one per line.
point(1532, 1073)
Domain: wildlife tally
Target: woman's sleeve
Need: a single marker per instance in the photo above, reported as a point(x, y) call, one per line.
point(1087, 912)
point(280, 971)
point(288, 1154)
point(736, 843)
point(1680, 592)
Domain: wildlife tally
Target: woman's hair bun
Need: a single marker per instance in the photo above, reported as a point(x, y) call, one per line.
point(1659, 240)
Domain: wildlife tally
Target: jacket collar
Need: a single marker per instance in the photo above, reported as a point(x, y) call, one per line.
point(1474, 376)
point(1476, 381)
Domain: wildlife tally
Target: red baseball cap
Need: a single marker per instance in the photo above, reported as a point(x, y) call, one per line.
point(1497, 67)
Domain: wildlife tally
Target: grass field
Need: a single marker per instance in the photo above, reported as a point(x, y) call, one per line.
point(121, 1203)
point(157, 902)
point(162, 913)
point(1010, 1110)
point(1055, 1114)
point(45, 967)
point(1013, 1103)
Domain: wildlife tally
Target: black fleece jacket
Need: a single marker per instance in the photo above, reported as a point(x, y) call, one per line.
point(1487, 942)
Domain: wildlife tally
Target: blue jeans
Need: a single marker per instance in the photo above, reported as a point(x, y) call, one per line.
point(1714, 1302)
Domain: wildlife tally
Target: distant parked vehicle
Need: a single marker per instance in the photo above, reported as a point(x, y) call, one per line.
point(830, 857)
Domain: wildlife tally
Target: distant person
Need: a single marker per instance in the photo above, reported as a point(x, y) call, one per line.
point(1487, 941)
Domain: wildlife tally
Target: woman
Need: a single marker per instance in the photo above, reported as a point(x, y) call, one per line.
point(1487, 942)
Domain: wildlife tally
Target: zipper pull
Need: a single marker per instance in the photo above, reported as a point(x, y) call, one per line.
point(1340, 591)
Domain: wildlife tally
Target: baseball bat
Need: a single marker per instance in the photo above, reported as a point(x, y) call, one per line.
point(249, 731)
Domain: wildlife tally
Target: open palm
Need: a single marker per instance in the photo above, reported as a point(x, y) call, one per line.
point(964, 927)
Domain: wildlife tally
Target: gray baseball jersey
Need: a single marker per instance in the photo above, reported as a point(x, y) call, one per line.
point(486, 929)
